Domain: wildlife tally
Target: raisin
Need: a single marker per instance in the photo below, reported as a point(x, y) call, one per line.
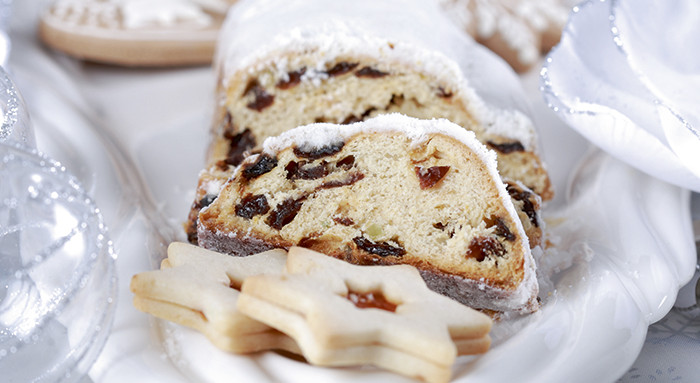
point(370, 72)
point(371, 300)
point(239, 144)
point(351, 119)
point(341, 68)
point(346, 163)
point(252, 205)
point(264, 164)
point(307, 242)
point(206, 201)
point(315, 153)
point(482, 247)
point(382, 249)
point(345, 221)
point(301, 170)
point(501, 229)
point(443, 93)
point(293, 80)
point(431, 176)
point(261, 100)
point(508, 147)
point(285, 212)
point(526, 198)
point(351, 179)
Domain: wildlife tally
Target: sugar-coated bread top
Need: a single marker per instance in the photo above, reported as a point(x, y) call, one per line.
point(417, 130)
point(411, 33)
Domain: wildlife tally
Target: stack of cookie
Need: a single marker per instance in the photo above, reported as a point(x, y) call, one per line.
point(330, 312)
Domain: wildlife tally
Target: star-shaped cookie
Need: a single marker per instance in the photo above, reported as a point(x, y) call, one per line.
point(198, 288)
point(344, 315)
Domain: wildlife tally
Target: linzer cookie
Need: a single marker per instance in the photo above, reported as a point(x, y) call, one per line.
point(199, 289)
point(134, 32)
point(347, 315)
point(281, 66)
point(388, 190)
point(519, 31)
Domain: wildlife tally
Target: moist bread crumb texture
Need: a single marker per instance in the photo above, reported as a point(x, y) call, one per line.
point(373, 193)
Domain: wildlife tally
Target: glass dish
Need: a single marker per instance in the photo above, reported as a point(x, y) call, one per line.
point(57, 276)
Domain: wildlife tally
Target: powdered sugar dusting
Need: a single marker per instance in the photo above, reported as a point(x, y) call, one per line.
point(413, 34)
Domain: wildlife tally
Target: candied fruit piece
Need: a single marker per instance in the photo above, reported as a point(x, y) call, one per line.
point(431, 176)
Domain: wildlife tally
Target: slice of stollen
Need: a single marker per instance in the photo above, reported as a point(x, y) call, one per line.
point(389, 190)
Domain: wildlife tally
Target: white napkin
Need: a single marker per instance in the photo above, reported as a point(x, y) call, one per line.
point(626, 75)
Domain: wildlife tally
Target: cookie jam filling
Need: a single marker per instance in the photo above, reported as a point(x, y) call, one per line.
point(373, 300)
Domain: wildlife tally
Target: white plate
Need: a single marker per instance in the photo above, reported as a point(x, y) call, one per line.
point(136, 140)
